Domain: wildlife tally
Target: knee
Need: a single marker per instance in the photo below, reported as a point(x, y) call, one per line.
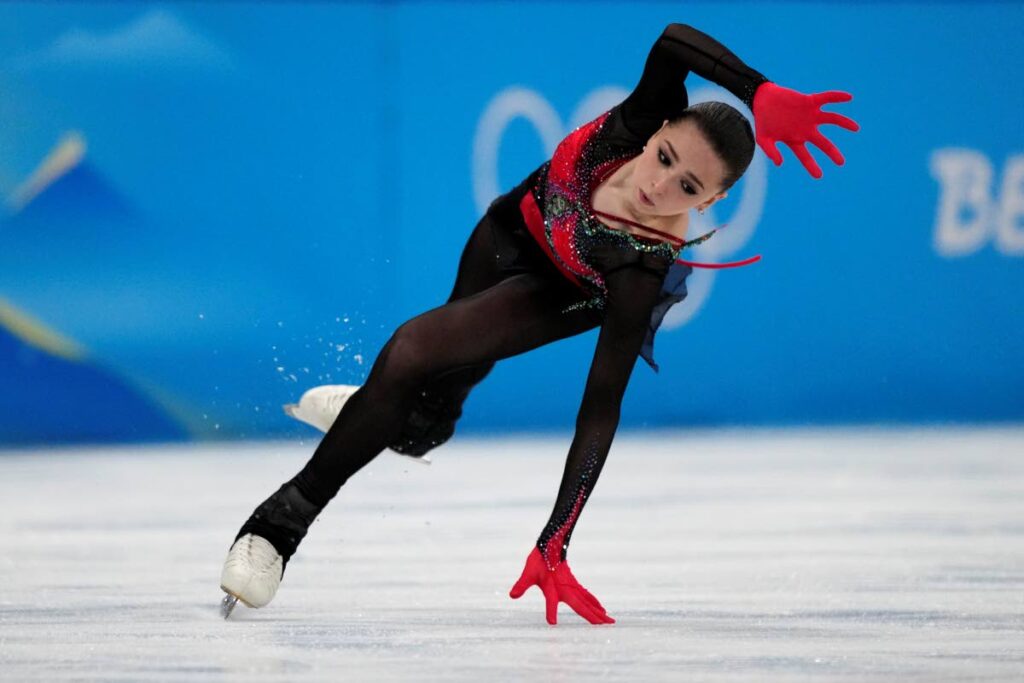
point(430, 424)
point(409, 356)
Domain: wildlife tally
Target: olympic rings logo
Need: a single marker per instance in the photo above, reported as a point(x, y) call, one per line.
point(747, 196)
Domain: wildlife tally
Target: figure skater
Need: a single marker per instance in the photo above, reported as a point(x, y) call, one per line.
point(591, 238)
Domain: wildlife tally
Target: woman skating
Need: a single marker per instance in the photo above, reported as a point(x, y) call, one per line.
point(591, 238)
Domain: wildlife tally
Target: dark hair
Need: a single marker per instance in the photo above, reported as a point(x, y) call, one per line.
point(728, 132)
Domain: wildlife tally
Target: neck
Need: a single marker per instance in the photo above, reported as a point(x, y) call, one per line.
point(633, 210)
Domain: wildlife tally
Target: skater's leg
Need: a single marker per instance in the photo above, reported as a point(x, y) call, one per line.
point(412, 398)
point(436, 409)
point(512, 317)
point(438, 404)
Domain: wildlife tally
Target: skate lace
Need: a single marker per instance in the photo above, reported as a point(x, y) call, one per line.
point(336, 400)
point(259, 552)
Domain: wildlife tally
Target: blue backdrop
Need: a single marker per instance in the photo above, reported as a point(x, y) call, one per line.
point(210, 208)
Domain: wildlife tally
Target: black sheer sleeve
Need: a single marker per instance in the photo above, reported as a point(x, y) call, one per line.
point(660, 94)
point(633, 279)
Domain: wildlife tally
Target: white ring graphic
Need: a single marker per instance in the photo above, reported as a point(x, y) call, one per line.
point(511, 103)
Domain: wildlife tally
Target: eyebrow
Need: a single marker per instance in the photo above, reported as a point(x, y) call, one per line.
point(676, 157)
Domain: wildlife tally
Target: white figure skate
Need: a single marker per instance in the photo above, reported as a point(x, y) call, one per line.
point(252, 572)
point(320, 406)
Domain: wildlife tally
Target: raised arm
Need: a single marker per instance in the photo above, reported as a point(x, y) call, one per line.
point(680, 49)
point(780, 114)
point(633, 280)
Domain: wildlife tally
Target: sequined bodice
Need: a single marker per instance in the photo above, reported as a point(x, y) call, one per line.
point(560, 205)
point(564, 193)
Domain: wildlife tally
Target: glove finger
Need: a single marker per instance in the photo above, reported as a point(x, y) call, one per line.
point(821, 98)
point(768, 145)
point(839, 120)
point(574, 600)
point(800, 150)
point(593, 599)
point(597, 606)
point(590, 600)
point(569, 582)
point(584, 594)
point(551, 604)
point(520, 587)
point(828, 148)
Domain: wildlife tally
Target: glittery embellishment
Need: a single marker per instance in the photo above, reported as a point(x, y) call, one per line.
point(557, 205)
point(699, 240)
point(564, 193)
point(554, 540)
point(596, 302)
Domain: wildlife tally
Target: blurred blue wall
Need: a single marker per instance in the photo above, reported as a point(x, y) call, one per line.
point(211, 208)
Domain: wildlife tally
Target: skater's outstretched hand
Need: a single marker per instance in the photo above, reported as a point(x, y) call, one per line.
point(559, 585)
point(785, 115)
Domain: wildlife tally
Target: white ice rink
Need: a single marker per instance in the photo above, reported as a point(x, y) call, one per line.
point(725, 556)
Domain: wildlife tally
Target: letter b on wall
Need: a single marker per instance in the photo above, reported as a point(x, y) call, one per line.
point(969, 213)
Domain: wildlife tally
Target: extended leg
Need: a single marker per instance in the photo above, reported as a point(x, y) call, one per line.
point(436, 409)
point(512, 317)
point(438, 403)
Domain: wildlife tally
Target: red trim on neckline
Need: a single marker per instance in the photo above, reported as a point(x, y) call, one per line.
point(614, 166)
point(732, 264)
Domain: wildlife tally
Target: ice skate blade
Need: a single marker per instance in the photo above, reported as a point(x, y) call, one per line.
point(227, 605)
point(289, 409)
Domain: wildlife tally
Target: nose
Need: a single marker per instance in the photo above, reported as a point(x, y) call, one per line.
point(659, 185)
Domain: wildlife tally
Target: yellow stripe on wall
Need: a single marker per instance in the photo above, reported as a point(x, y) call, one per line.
point(34, 333)
point(65, 156)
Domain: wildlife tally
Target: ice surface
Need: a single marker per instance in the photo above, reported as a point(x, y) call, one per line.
point(822, 555)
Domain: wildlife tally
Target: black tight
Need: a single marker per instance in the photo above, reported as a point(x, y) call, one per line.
point(507, 299)
point(491, 314)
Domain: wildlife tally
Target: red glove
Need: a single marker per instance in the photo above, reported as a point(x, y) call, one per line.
point(785, 115)
point(559, 585)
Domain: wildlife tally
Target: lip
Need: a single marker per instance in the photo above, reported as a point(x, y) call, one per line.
point(644, 199)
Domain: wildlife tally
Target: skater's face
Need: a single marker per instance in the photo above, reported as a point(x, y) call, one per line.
point(677, 171)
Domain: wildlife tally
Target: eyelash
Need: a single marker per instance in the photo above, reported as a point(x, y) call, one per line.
point(665, 162)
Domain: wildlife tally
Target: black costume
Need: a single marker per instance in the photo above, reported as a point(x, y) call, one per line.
point(538, 267)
